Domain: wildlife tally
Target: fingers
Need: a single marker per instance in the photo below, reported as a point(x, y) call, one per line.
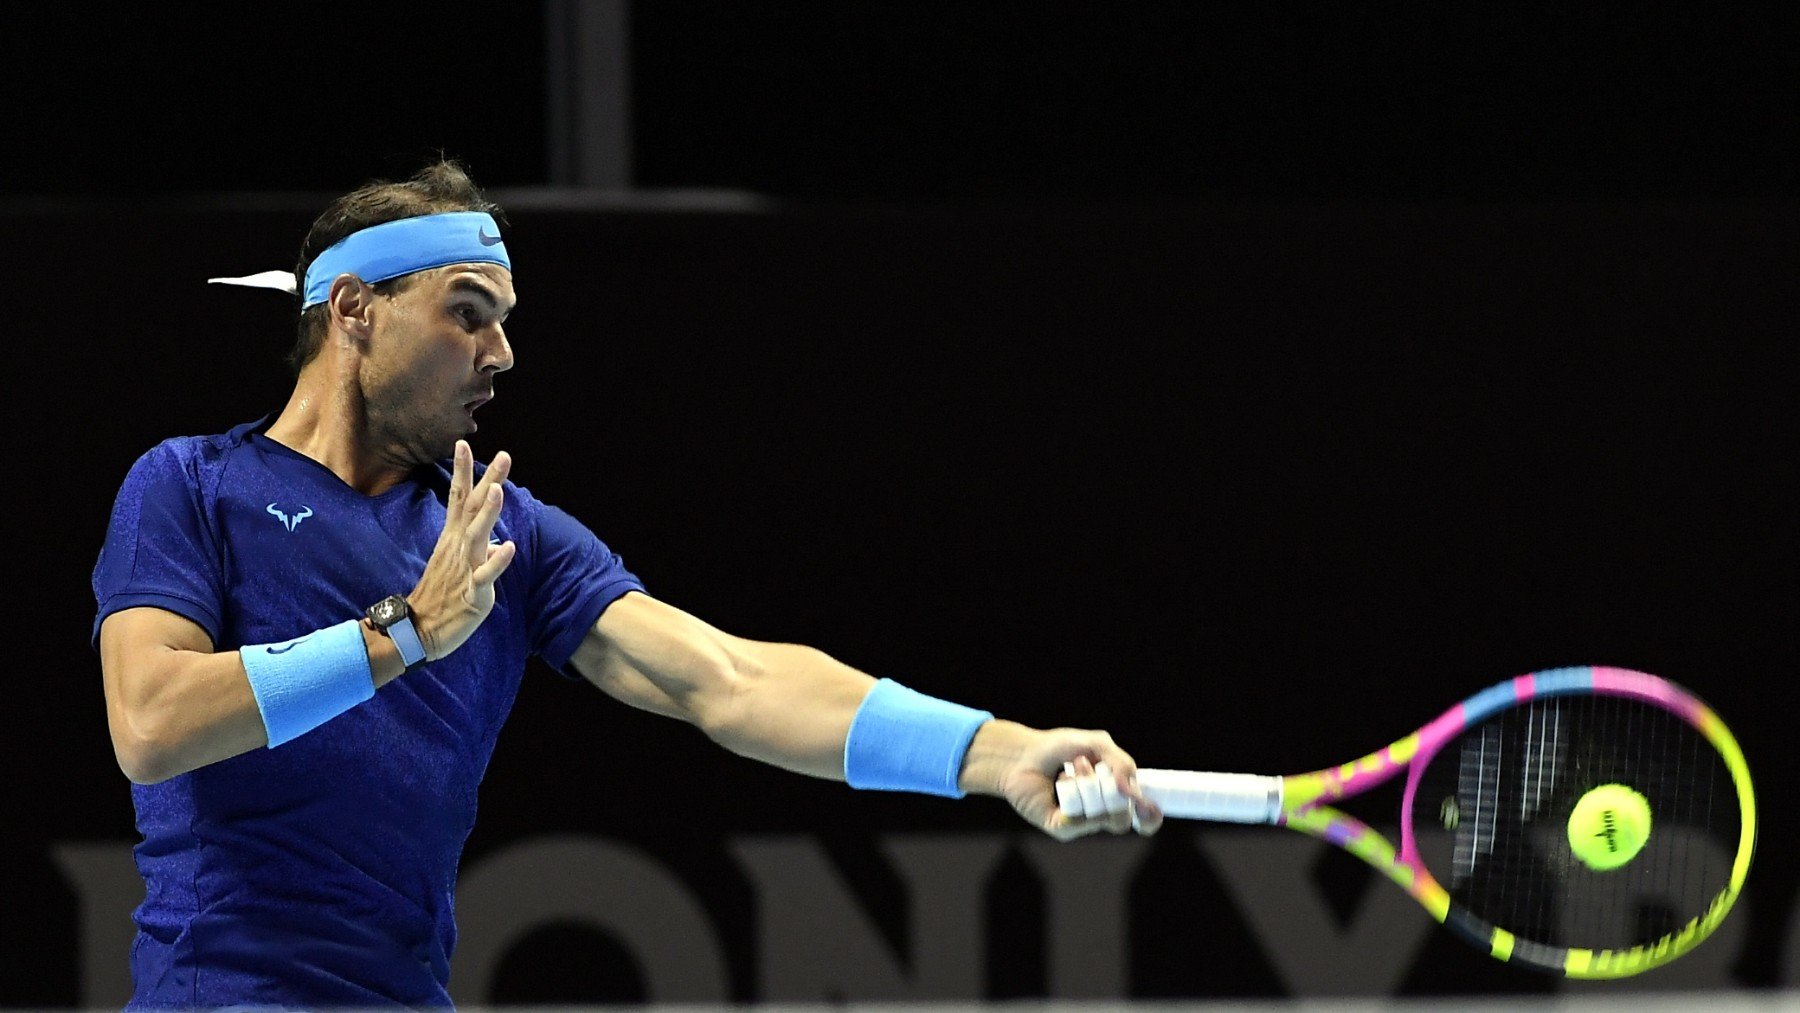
point(481, 526)
point(499, 557)
point(461, 464)
point(1088, 802)
point(1098, 790)
point(1143, 815)
point(466, 491)
point(494, 475)
point(478, 504)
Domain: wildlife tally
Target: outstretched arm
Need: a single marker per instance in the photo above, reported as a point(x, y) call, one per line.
point(793, 706)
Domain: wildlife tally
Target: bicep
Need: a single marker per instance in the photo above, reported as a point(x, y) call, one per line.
point(655, 657)
point(130, 639)
point(133, 642)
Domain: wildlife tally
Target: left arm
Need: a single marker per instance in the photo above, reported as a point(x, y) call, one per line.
point(791, 706)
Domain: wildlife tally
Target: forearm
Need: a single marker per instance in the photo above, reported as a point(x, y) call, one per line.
point(790, 706)
point(182, 710)
point(795, 708)
point(783, 704)
point(187, 709)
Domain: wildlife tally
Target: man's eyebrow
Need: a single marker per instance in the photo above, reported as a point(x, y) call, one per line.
point(476, 288)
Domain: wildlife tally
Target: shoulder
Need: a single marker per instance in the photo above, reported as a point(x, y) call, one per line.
point(192, 457)
point(193, 464)
point(174, 458)
point(543, 529)
point(527, 518)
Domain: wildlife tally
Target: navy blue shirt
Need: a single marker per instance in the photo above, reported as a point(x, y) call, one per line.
point(322, 872)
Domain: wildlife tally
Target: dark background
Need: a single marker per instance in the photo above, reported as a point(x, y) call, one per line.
point(1252, 381)
point(944, 102)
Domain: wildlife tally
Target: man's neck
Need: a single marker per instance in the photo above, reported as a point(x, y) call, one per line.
point(328, 422)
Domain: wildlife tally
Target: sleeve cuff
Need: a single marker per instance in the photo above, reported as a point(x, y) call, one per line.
point(193, 611)
point(559, 652)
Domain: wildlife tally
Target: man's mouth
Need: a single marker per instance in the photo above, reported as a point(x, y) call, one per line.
point(470, 406)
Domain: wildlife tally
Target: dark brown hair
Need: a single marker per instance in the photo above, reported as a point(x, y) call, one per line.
point(442, 186)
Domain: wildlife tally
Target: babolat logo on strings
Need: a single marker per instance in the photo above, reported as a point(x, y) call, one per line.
point(290, 521)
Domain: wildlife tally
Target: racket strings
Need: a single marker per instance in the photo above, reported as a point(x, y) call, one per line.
point(1511, 784)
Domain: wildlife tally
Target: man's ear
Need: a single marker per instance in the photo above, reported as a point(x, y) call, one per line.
point(351, 302)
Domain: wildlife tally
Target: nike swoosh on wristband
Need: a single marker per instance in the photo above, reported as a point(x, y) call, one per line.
point(486, 240)
point(284, 648)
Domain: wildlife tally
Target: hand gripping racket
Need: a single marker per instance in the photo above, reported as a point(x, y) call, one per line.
point(1590, 822)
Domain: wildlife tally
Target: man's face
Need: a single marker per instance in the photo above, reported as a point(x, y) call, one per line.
point(436, 346)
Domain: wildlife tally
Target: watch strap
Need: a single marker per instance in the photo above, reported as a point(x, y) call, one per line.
point(406, 639)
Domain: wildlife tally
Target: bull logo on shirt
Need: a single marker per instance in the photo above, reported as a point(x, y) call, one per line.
point(291, 521)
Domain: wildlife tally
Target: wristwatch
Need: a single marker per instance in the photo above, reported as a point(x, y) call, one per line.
point(392, 618)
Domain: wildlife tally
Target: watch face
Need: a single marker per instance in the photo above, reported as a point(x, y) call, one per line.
point(387, 611)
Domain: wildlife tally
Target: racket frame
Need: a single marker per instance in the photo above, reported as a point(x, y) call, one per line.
point(1302, 802)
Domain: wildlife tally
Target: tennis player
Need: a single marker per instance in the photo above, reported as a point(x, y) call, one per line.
point(313, 625)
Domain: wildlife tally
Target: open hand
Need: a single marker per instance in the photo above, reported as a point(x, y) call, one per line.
point(456, 591)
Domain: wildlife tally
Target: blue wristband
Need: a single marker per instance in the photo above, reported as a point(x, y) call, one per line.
point(901, 740)
point(303, 683)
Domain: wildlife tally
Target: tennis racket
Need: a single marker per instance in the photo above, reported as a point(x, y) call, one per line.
point(1539, 868)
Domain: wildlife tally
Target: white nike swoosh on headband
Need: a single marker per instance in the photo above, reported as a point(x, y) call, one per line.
point(282, 281)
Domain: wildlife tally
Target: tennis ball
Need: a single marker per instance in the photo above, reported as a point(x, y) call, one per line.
point(1609, 826)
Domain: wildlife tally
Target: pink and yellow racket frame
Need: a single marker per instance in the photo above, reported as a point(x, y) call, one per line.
point(1302, 801)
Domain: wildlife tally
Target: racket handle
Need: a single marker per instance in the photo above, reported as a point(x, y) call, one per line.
point(1200, 795)
point(1183, 794)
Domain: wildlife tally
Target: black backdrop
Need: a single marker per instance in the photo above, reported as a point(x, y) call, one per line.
point(1253, 487)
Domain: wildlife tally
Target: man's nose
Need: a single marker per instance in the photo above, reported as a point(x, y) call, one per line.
point(497, 356)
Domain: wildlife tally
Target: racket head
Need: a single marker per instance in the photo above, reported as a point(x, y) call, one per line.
point(1506, 767)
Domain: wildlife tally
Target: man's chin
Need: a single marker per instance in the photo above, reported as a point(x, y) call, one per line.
point(440, 447)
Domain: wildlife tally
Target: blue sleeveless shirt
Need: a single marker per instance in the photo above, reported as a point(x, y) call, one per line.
point(322, 872)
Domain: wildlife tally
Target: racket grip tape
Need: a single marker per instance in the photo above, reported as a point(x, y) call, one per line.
point(1201, 795)
point(1191, 794)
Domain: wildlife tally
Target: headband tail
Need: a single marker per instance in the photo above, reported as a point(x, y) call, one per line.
point(282, 281)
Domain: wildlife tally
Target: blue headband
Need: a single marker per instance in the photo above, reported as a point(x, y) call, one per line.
point(391, 249)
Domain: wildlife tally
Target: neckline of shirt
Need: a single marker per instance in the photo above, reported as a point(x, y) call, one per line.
point(261, 439)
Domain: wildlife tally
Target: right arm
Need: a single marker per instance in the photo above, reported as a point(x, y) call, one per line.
point(174, 704)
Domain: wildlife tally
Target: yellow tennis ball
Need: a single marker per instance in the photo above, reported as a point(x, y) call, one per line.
point(1609, 826)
